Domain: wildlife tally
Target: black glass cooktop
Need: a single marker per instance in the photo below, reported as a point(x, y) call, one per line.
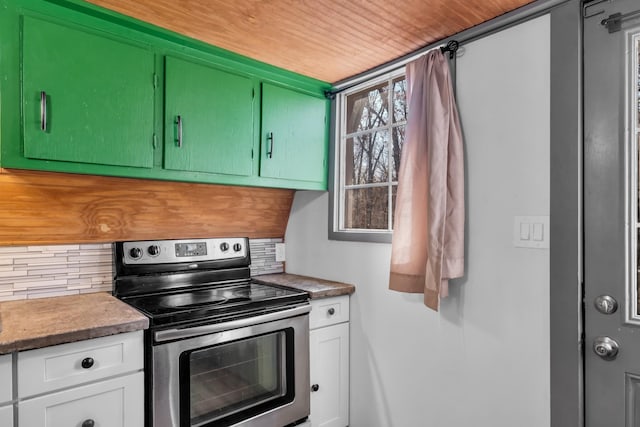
point(214, 302)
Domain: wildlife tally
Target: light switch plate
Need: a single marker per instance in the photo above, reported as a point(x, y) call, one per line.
point(280, 252)
point(531, 232)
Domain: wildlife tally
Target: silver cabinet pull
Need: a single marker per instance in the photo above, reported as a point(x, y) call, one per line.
point(43, 111)
point(270, 149)
point(179, 123)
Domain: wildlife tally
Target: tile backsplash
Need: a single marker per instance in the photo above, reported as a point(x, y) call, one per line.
point(28, 272)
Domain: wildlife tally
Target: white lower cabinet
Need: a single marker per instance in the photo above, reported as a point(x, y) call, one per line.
point(92, 383)
point(329, 362)
point(6, 389)
point(116, 402)
point(53, 368)
point(6, 416)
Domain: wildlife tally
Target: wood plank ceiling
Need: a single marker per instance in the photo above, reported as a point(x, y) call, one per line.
point(326, 39)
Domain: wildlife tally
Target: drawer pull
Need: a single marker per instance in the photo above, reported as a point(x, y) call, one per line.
point(315, 387)
point(86, 364)
point(331, 311)
point(88, 423)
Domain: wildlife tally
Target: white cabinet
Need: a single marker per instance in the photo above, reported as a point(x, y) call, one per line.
point(53, 368)
point(6, 416)
point(97, 382)
point(6, 390)
point(329, 358)
point(116, 402)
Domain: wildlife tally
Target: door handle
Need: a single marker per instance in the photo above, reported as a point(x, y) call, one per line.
point(605, 347)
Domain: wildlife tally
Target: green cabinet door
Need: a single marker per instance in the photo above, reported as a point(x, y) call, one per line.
point(86, 97)
point(208, 119)
point(294, 138)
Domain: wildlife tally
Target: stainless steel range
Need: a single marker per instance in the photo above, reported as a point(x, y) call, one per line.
point(221, 350)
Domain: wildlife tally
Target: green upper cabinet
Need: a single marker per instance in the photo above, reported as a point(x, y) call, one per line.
point(209, 119)
point(88, 90)
point(294, 135)
point(86, 97)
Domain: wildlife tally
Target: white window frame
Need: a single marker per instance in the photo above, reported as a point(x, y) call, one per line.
point(337, 170)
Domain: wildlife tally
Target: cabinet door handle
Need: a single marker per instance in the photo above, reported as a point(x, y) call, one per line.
point(315, 388)
point(179, 123)
point(270, 148)
point(43, 111)
point(331, 311)
point(88, 423)
point(87, 362)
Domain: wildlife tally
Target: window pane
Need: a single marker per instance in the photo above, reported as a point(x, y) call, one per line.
point(367, 158)
point(398, 142)
point(367, 208)
point(400, 99)
point(368, 109)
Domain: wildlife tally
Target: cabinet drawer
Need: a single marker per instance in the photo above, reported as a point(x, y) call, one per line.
point(51, 368)
point(117, 402)
point(6, 416)
point(6, 392)
point(329, 311)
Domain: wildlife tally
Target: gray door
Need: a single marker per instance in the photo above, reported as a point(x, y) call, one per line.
point(612, 381)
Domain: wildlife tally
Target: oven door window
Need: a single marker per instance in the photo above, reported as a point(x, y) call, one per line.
point(234, 381)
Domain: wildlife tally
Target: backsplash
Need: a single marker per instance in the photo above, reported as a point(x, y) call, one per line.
point(28, 272)
point(263, 256)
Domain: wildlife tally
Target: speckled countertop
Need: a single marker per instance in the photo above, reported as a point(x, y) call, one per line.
point(30, 324)
point(316, 288)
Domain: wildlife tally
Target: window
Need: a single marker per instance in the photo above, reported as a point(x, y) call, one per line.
point(370, 131)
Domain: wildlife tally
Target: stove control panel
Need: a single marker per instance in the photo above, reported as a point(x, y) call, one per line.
point(193, 250)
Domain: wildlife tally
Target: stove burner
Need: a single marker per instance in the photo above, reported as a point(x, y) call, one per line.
point(204, 298)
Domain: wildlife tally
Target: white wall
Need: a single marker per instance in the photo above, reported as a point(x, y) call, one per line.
point(484, 359)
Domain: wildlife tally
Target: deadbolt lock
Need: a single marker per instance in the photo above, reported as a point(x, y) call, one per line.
point(606, 304)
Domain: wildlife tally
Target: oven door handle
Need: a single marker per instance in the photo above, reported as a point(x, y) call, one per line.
point(176, 334)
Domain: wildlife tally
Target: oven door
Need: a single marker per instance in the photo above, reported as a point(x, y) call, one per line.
point(250, 372)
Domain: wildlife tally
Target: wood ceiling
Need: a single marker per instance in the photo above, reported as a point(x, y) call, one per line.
point(326, 39)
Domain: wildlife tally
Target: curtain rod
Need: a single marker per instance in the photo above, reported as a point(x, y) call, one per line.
point(451, 47)
point(524, 13)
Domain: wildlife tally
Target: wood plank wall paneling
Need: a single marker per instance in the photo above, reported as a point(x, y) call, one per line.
point(52, 208)
point(326, 39)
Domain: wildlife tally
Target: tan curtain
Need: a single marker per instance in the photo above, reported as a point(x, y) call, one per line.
point(428, 230)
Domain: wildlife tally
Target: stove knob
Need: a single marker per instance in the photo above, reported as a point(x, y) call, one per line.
point(135, 253)
point(224, 246)
point(154, 250)
point(237, 247)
